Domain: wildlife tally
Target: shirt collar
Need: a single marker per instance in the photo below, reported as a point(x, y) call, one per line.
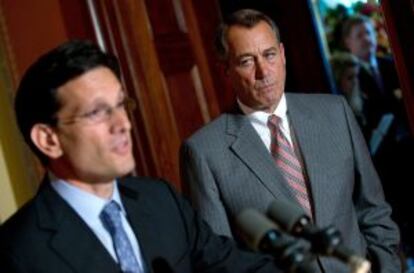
point(261, 117)
point(84, 203)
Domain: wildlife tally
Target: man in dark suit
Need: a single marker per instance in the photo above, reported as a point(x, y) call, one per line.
point(377, 77)
point(380, 86)
point(72, 111)
point(315, 158)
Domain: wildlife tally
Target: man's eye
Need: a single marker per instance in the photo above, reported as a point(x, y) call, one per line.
point(270, 55)
point(95, 113)
point(245, 62)
point(121, 104)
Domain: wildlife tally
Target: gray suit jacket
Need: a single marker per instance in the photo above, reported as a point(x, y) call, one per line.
point(228, 168)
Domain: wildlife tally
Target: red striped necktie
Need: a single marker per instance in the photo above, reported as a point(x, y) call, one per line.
point(288, 163)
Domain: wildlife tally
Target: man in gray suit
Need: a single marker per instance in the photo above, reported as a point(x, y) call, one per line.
point(233, 162)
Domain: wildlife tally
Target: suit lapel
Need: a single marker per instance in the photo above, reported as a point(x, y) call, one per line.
point(71, 238)
point(140, 219)
point(251, 150)
point(310, 143)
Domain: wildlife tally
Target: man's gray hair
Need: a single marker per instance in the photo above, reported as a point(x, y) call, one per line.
point(246, 18)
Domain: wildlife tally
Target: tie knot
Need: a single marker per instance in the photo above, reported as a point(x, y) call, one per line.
point(273, 121)
point(110, 216)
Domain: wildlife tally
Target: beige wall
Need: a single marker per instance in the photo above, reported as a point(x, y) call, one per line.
point(15, 166)
point(7, 201)
point(15, 188)
point(15, 185)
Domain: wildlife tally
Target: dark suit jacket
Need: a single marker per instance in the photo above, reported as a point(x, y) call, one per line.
point(228, 168)
point(47, 235)
point(379, 102)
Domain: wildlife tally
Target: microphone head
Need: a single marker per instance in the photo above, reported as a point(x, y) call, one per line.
point(359, 265)
point(254, 226)
point(287, 214)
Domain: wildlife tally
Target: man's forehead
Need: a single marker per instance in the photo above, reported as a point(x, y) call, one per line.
point(253, 52)
point(89, 96)
point(97, 84)
point(259, 27)
point(240, 39)
point(362, 27)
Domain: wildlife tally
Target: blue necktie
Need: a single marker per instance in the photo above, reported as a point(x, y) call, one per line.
point(111, 218)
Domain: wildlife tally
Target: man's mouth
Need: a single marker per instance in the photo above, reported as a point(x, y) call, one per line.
point(122, 146)
point(266, 87)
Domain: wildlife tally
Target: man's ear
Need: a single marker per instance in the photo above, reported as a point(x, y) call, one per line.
point(46, 140)
point(282, 53)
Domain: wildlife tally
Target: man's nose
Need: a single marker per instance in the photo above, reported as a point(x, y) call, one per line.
point(262, 69)
point(120, 120)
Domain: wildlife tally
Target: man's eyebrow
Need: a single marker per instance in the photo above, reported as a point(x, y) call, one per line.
point(273, 48)
point(244, 55)
point(100, 101)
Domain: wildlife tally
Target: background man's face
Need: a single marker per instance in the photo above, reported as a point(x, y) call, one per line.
point(94, 152)
point(361, 41)
point(256, 66)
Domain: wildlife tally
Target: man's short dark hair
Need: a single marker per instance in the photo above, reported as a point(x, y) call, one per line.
point(36, 98)
point(246, 18)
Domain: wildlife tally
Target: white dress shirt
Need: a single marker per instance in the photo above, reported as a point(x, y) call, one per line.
point(89, 206)
point(259, 120)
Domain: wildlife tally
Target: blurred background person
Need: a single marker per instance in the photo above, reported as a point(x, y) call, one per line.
point(346, 68)
point(379, 84)
point(377, 77)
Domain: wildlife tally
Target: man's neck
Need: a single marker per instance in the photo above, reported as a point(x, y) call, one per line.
point(102, 189)
point(247, 110)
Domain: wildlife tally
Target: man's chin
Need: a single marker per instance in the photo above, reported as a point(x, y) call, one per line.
point(127, 168)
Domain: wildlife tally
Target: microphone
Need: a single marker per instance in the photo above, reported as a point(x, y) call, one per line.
point(327, 241)
point(263, 235)
point(160, 265)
